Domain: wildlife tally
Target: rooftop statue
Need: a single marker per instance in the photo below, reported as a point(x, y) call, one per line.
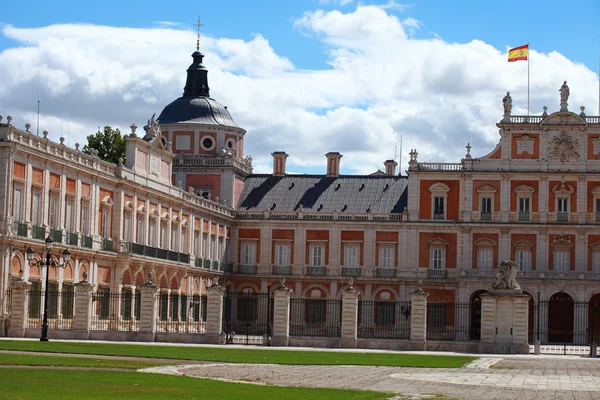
point(564, 92)
point(506, 276)
point(507, 102)
point(152, 129)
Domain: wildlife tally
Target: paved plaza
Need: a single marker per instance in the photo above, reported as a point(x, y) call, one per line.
point(493, 377)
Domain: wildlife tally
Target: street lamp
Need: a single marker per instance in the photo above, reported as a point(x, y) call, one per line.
point(48, 263)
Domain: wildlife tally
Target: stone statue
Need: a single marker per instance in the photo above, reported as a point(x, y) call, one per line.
point(564, 92)
point(152, 129)
point(507, 102)
point(506, 276)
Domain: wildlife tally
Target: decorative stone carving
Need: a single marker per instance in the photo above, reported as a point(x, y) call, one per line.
point(506, 276)
point(525, 144)
point(563, 148)
point(507, 103)
point(152, 129)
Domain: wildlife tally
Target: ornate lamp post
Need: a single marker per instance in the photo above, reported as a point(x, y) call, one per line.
point(48, 263)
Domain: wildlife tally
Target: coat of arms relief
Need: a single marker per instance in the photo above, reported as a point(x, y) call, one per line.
point(563, 148)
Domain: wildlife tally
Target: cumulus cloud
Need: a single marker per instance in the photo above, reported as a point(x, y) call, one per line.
point(380, 85)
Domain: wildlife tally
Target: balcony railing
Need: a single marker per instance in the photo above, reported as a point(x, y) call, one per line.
point(153, 252)
point(247, 269)
point(198, 262)
point(562, 216)
point(524, 216)
point(597, 216)
point(72, 239)
point(485, 216)
point(107, 245)
point(227, 268)
point(86, 241)
point(437, 273)
point(315, 271)
point(56, 235)
point(351, 271)
point(438, 216)
point(21, 229)
point(385, 272)
point(206, 264)
point(282, 269)
point(215, 265)
point(38, 232)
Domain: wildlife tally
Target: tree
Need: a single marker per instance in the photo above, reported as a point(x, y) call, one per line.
point(110, 144)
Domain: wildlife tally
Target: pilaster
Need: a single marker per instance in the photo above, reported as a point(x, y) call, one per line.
point(82, 309)
point(19, 308)
point(281, 315)
point(148, 311)
point(418, 320)
point(214, 314)
point(349, 317)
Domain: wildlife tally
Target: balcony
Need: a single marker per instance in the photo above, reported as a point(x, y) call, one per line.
point(438, 216)
point(21, 229)
point(38, 232)
point(437, 273)
point(524, 216)
point(107, 245)
point(282, 269)
point(206, 264)
point(385, 272)
point(485, 216)
point(227, 268)
point(351, 271)
point(56, 235)
point(198, 262)
point(72, 239)
point(247, 269)
point(315, 271)
point(153, 252)
point(86, 241)
point(562, 217)
point(215, 265)
point(597, 216)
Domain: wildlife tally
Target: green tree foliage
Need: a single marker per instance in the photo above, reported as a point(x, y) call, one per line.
point(111, 145)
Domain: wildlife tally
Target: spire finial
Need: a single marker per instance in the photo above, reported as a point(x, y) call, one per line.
point(198, 25)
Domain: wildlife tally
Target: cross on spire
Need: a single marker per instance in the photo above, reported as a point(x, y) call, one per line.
point(198, 25)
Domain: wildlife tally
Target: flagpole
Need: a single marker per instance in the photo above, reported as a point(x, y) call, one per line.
point(528, 56)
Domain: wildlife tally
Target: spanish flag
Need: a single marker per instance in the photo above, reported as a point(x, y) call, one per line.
point(518, 53)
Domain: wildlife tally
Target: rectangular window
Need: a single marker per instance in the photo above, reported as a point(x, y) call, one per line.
point(197, 244)
point(183, 248)
point(17, 205)
point(152, 233)
point(562, 208)
point(163, 236)
point(523, 209)
point(174, 238)
point(53, 219)
point(386, 256)
point(486, 209)
point(597, 210)
point(249, 254)
point(213, 248)
point(127, 228)
point(84, 220)
point(105, 233)
point(282, 254)
point(317, 255)
point(69, 216)
point(596, 261)
point(351, 255)
point(561, 260)
point(140, 231)
point(438, 208)
point(523, 258)
point(205, 248)
point(438, 258)
point(35, 210)
point(485, 258)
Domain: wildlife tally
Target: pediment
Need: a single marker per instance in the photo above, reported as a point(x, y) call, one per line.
point(107, 201)
point(563, 118)
point(563, 188)
point(524, 243)
point(595, 246)
point(439, 187)
point(486, 189)
point(484, 242)
point(438, 242)
point(524, 189)
point(562, 242)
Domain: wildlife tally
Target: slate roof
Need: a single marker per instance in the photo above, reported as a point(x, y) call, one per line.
point(196, 110)
point(346, 193)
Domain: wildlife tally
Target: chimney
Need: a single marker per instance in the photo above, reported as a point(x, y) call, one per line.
point(279, 163)
point(333, 163)
point(390, 167)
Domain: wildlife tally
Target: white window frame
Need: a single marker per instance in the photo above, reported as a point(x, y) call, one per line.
point(562, 193)
point(561, 260)
point(351, 255)
point(596, 259)
point(214, 247)
point(197, 243)
point(69, 216)
point(485, 258)
point(439, 191)
point(283, 253)
point(127, 220)
point(562, 208)
point(437, 253)
point(524, 192)
point(18, 204)
point(486, 192)
point(183, 244)
point(205, 246)
point(164, 240)
point(36, 202)
point(317, 255)
point(174, 238)
point(152, 232)
point(105, 224)
point(85, 218)
point(524, 257)
point(53, 212)
point(140, 232)
point(386, 255)
point(248, 253)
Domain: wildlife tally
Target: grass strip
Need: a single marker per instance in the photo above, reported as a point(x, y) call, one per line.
point(21, 383)
point(235, 355)
point(66, 361)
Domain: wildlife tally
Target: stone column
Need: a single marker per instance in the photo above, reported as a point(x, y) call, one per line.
point(148, 308)
point(19, 308)
point(504, 322)
point(82, 309)
point(418, 320)
point(349, 317)
point(214, 314)
point(281, 315)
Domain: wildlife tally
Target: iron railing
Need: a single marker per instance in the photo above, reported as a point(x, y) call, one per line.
point(437, 273)
point(86, 241)
point(247, 314)
point(38, 232)
point(523, 216)
point(351, 271)
point(60, 309)
point(107, 245)
point(438, 216)
point(21, 229)
point(154, 252)
point(7, 302)
point(56, 235)
point(72, 239)
point(564, 322)
point(450, 321)
point(247, 269)
point(562, 217)
point(485, 216)
point(115, 311)
point(315, 317)
point(282, 269)
point(385, 272)
point(180, 313)
point(384, 319)
point(315, 271)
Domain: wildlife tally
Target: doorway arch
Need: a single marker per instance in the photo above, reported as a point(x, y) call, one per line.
point(560, 318)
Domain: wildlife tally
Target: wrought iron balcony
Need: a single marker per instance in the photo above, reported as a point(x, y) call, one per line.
point(198, 263)
point(38, 232)
point(438, 216)
point(351, 271)
point(524, 216)
point(72, 239)
point(56, 235)
point(86, 241)
point(562, 217)
point(215, 265)
point(206, 264)
point(153, 252)
point(485, 216)
point(282, 269)
point(107, 245)
point(315, 271)
point(247, 269)
point(227, 268)
point(21, 229)
point(385, 272)
point(437, 273)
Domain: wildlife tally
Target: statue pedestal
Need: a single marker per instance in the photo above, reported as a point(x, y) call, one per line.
point(504, 322)
point(564, 106)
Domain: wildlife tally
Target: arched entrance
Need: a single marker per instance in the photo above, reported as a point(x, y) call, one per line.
point(475, 315)
point(594, 318)
point(560, 318)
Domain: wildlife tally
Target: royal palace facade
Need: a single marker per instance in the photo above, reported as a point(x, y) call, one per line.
point(184, 208)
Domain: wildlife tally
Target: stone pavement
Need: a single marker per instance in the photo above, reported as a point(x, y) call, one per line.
point(505, 377)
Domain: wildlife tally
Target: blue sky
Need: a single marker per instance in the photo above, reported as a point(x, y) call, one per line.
point(332, 75)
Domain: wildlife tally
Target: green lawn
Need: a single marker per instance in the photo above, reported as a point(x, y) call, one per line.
point(66, 361)
point(234, 355)
point(21, 383)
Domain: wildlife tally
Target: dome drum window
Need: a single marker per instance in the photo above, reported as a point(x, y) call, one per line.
point(207, 143)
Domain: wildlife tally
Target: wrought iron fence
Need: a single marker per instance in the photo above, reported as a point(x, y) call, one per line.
point(60, 308)
point(565, 326)
point(384, 319)
point(8, 302)
point(115, 311)
point(450, 321)
point(181, 313)
point(315, 317)
point(247, 314)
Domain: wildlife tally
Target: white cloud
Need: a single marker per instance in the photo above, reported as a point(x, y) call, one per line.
point(380, 84)
point(336, 2)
